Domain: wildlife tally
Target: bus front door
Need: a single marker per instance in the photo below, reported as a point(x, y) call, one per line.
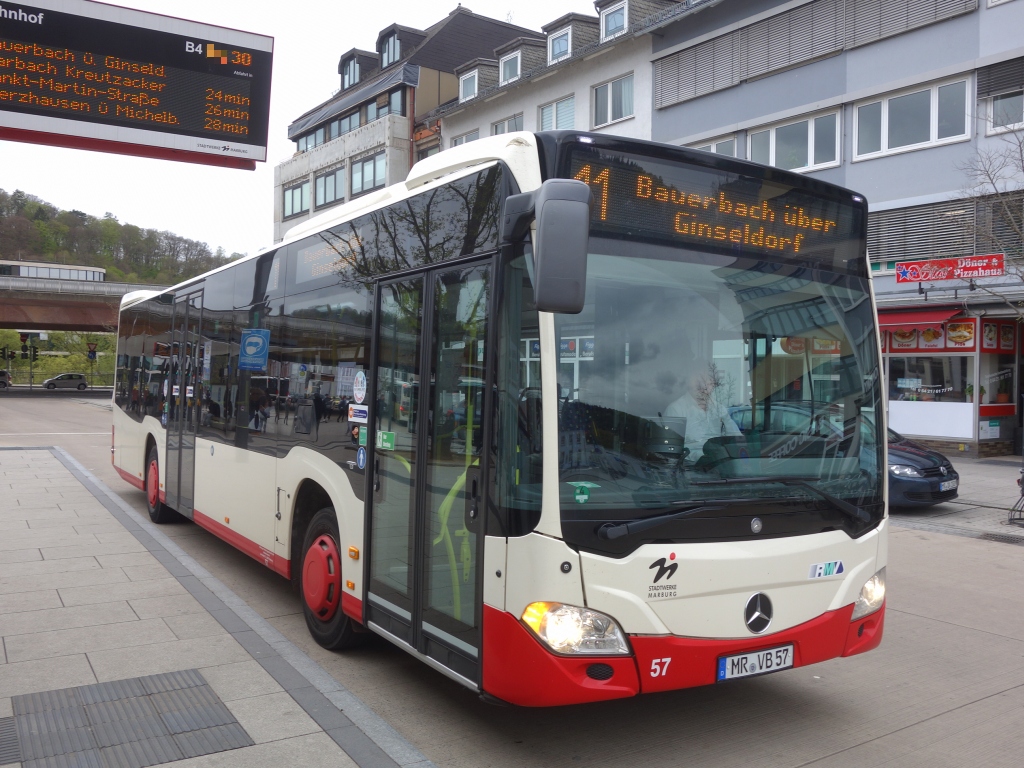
point(425, 510)
point(185, 402)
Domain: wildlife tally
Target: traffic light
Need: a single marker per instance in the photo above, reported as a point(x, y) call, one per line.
point(35, 354)
point(24, 351)
point(3, 353)
point(11, 355)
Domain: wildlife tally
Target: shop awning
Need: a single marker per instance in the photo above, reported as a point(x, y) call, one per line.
point(914, 319)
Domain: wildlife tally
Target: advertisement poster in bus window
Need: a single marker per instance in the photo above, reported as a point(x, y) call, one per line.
point(932, 338)
point(961, 335)
point(1007, 337)
point(903, 339)
point(826, 347)
point(989, 336)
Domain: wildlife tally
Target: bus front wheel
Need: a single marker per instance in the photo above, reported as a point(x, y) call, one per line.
point(158, 511)
point(320, 585)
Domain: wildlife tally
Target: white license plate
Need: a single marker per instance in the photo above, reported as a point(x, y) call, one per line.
point(949, 485)
point(756, 663)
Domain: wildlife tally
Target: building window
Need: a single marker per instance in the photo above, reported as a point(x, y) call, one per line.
point(719, 146)
point(385, 104)
point(296, 200)
point(509, 67)
point(465, 138)
point(368, 174)
point(802, 145)
point(514, 123)
point(330, 188)
point(912, 120)
point(467, 86)
point(613, 21)
point(390, 52)
point(1007, 112)
point(559, 45)
point(613, 101)
point(347, 123)
point(350, 73)
point(560, 115)
point(423, 154)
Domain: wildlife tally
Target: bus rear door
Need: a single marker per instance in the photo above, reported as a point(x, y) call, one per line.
point(185, 402)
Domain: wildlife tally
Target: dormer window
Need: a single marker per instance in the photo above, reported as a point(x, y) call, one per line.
point(613, 21)
point(559, 45)
point(350, 73)
point(467, 86)
point(390, 51)
point(509, 66)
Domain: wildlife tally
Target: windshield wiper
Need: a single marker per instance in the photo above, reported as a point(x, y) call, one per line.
point(611, 531)
point(851, 510)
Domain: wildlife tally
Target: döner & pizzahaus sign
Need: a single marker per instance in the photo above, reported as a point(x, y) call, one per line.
point(965, 268)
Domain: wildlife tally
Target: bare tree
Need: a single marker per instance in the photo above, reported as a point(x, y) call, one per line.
point(994, 182)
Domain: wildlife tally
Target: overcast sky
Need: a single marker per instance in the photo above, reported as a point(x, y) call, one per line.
point(233, 208)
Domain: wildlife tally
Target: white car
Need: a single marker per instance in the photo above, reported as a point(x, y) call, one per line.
point(66, 381)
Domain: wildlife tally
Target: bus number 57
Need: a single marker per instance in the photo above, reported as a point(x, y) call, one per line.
point(659, 667)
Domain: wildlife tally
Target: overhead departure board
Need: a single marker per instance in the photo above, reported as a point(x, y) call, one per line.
point(90, 74)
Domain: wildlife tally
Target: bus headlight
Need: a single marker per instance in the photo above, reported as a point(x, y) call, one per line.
point(572, 630)
point(872, 595)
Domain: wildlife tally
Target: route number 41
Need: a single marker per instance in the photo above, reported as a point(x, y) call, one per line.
point(659, 667)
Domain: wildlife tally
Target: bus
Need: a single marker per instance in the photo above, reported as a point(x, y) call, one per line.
point(619, 476)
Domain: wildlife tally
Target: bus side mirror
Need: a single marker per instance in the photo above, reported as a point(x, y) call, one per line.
point(561, 208)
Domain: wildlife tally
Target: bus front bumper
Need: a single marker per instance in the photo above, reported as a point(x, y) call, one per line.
point(518, 669)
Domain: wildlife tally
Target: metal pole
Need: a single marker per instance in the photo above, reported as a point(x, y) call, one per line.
point(31, 377)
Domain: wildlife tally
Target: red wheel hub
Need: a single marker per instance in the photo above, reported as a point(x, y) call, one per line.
point(321, 578)
point(153, 484)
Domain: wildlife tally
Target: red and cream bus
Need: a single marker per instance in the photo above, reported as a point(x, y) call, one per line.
point(621, 474)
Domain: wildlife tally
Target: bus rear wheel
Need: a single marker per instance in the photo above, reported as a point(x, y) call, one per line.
point(320, 585)
point(158, 511)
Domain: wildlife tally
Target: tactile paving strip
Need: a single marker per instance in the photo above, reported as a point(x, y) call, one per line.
point(130, 723)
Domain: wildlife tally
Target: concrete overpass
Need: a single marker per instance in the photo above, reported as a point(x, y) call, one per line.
point(47, 304)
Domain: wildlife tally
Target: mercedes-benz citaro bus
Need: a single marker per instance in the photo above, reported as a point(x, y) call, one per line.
point(666, 363)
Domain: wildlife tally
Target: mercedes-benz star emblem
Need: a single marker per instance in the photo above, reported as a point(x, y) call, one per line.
point(943, 470)
point(758, 613)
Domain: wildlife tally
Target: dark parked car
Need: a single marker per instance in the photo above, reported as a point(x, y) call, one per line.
point(918, 476)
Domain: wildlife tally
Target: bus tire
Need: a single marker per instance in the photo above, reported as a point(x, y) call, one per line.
point(320, 585)
point(159, 512)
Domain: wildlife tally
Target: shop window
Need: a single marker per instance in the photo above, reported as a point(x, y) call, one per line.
point(938, 378)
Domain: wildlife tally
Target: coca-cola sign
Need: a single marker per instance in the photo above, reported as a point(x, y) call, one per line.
point(964, 268)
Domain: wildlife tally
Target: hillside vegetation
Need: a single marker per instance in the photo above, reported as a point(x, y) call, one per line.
point(33, 230)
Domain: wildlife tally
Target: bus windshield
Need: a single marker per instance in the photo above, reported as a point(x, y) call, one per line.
point(716, 376)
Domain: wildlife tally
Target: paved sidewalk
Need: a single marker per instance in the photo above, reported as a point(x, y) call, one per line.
point(91, 594)
point(988, 489)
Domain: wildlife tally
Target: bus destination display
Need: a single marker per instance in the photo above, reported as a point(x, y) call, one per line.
point(156, 81)
point(634, 195)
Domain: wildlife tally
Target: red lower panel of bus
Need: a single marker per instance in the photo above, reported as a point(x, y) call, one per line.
point(238, 541)
point(695, 661)
point(519, 670)
point(130, 478)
